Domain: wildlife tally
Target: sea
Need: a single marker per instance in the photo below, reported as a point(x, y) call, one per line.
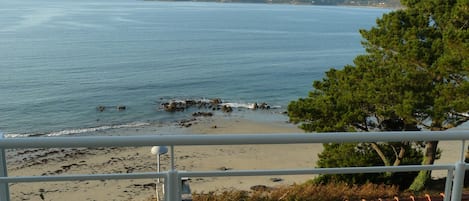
point(60, 60)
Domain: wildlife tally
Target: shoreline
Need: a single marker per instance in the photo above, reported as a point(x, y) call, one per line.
point(57, 161)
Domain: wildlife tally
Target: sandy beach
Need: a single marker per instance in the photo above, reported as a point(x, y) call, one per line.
point(187, 158)
point(139, 159)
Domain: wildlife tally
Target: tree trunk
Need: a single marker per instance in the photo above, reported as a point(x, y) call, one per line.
point(380, 154)
point(428, 159)
point(399, 156)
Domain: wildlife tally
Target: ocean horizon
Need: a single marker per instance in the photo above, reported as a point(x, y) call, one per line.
point(61, 60)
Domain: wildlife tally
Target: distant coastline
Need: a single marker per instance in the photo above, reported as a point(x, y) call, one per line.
point(395, 4)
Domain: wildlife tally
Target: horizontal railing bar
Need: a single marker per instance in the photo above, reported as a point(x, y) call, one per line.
point(149, 175)
point(82, 177)
point(349, 170)
point(229, 139)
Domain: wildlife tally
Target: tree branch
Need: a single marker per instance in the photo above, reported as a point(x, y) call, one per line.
point(400, 156)
point(380, 153)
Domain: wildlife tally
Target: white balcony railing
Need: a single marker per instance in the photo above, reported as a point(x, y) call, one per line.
point(172, 178)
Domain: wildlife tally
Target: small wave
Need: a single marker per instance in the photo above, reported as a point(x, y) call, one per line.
point(249, 105)
point(201, 100)
point(76, 131)
point(239, 105)
point(13, 135)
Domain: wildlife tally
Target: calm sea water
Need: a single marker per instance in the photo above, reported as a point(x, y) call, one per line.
point(59, 59)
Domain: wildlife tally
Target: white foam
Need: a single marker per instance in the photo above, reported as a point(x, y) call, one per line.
point(13, 135)
point(239, 105)
point(77, 131)
point(86, 130)
point(248, 105)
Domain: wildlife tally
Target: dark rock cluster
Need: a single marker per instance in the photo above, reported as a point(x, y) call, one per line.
point(102, 108)
point(213, 104)
point(186, 122)
point(181, 105)
point(202, 114)
point(262, 106)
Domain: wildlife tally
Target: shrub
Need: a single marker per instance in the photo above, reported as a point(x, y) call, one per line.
point(362, 155)
point(306, 192)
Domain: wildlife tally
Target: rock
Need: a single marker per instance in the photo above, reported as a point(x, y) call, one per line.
point(264, 106)
point(174, 106)
point(186, 123)
point(202, 114)
point(224, 168)
point(212, 104)
point(101, 108)
point(215, 101)
point(226, 109)
point(276, 179)
point(190, 103)
point(121, 107)
point(255, 106)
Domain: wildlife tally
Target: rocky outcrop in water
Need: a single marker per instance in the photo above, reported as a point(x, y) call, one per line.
point(213, 104)
point(263, 106)
point(182, 105)
point(174, 106)
point(202, 114)
point(102, 108)
point(226, 108)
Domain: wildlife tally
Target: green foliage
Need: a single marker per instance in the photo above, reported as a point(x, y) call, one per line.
point(414, 74)
point(361, 155)
point(415, 69)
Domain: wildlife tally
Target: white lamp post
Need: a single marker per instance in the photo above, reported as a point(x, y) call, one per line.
point(158, 150)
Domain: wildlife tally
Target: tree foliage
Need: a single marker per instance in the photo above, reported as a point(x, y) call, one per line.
point(362, 155)
point(414, 75)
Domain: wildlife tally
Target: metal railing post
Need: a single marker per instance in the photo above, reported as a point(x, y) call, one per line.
point(458, 182)
point(173, 181)
point(448, 185)
point(4, 191)
point(172, 186)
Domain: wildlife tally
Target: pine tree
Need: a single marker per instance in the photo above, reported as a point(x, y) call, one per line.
point(415, 71)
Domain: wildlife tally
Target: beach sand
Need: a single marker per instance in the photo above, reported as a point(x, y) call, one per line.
point(187, 158)
point(139, 159)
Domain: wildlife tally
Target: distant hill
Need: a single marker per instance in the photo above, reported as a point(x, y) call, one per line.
point(372, 3)
point(377, 3)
